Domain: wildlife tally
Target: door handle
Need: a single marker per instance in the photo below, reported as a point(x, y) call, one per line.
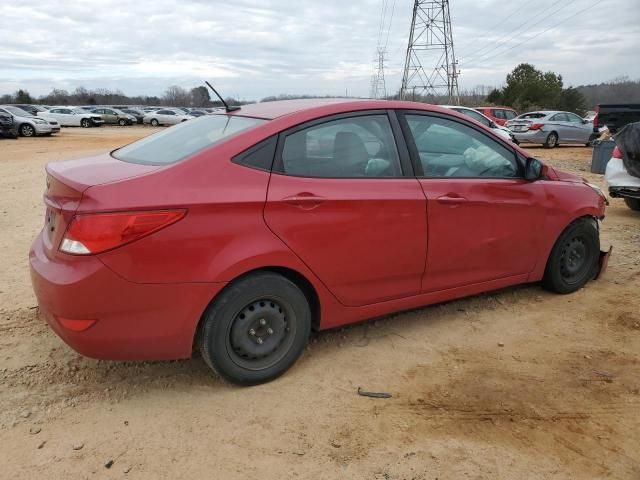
point(304, 200)
point(451, 199)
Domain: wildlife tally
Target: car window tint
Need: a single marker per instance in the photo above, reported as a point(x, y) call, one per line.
point(509, 114)
point(560, 117)
point(499, 114)
point(451, 149)
point(259, 156)
point(573, 118)
point(350, 147)
point(185, 139)
point(475, 115)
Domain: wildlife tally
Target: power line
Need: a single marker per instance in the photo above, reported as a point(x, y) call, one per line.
point(506, 38)
point(393, 8)
point(542, 32)
point(501, 22)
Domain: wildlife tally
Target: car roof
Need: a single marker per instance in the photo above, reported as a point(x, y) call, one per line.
point(496, 106)
point(325, 106)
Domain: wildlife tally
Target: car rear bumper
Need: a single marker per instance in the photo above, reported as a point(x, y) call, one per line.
point(531, 136)
point(132, 321)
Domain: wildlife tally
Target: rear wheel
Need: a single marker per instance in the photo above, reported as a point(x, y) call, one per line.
point(633, 203)
point(85, 123)
point(122, 122)
point(574, 258)
point(154, 122)
point(256, 329)
point(27, 130)
point(551, 141)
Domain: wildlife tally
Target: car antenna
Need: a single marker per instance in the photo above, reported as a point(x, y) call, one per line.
point(228, 108)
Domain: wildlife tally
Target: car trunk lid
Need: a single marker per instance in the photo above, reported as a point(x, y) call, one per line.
point(66, 183)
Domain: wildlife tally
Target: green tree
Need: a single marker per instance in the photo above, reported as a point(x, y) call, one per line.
point(495, 97)
point(529, 87)
point(200, 97)
point(22, 96)
point(571, 100)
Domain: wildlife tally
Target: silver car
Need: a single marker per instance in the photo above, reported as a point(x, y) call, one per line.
point(483, 119)
point(550, 128)
point(28, 125)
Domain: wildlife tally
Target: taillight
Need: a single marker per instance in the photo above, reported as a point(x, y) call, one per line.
point(616, 153)
point(536, 126)
point(88, 234)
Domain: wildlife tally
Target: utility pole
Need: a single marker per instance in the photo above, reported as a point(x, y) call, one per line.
point(378, 85)
point(431, 44)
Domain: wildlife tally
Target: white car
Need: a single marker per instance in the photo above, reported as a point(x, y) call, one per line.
point(166, 116)
point(483, 119)
point(621, 183)
point(73, 117)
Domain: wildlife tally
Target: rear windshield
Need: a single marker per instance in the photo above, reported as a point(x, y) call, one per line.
point(185, 139)
point(525, 116)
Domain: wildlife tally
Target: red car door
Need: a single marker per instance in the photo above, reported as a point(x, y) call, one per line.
point(484, 219)
point(338, 198)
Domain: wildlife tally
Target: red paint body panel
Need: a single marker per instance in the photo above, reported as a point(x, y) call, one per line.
point(489, 112)
point(369, 247)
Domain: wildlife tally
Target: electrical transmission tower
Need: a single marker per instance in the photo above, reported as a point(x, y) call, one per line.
point(430, 44)
point(378, 85)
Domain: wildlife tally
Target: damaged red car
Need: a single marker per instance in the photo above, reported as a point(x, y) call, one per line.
point(239, 233)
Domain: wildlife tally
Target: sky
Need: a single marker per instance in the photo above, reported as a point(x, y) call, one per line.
point(252, 49)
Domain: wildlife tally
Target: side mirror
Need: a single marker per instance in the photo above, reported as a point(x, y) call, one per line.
point(493, 125)
point(533, 169)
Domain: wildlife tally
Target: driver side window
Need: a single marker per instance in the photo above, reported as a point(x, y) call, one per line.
point(451, 149)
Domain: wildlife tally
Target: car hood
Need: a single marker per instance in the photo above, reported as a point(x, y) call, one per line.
point(568, 177)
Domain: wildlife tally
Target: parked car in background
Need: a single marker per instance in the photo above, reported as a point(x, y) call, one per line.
point(551, 128)
point(483, 119)
point(621, 183)
point(197, 113)
point(8, 128)
point(73, 117)
point(614, 117)
point(166, 116)
point(30, 109)
point(151, 109)
point(115, 117)
point(29, 125)
point(500, 115)
point(138, 114)
point(284, 217)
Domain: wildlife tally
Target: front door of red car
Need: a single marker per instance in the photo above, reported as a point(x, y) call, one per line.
point(484, 218)
point(338, 199)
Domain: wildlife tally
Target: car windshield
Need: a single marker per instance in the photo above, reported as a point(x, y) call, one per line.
point(18, 112)
point(185, 139)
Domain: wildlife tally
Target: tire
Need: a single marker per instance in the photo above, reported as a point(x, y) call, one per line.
point(551, 141)
point(574, 258)
point(256, 329)
point(122, 122)
point(155, 122)
point(633, 203)
point(27, 130)
point(85, 123)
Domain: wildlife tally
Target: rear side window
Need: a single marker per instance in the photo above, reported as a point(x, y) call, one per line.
point(560, 117)
point(180, 141)
point(259, 156)
point(509, 114)
point(361, 146)
point(499, 114)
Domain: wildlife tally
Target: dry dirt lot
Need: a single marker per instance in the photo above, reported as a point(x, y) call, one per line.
point(516, 384)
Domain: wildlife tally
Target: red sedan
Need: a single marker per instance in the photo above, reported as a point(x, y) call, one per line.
point(239, 233)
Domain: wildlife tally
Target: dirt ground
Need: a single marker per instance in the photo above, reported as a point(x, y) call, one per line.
point(516, 384)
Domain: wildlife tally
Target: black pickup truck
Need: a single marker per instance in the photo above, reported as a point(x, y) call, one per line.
point(8, 128)
point(615, 116)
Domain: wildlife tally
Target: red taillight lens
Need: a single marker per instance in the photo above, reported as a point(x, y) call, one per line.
point(75, 325)
point(94, 233)
point(616, 153)
point(536, 126)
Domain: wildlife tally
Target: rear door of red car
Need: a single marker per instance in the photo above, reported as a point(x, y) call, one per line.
point(344, 198)
point(484, 219)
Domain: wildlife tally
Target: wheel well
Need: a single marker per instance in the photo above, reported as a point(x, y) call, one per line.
point(583, 217)
point(292, 275)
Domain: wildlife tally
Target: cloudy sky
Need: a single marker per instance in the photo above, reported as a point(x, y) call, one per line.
point(253, 49)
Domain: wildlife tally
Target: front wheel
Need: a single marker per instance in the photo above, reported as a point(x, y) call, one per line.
point(574, 257)
point(27, 130)
point(154, 122)
point(633, 203)
point(256, 329)
point(122, 122)
point(85, 123)
point(551, 141)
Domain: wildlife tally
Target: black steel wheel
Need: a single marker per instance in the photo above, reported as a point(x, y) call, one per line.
point(256, 328)
point(633, 203)
point(574, 257)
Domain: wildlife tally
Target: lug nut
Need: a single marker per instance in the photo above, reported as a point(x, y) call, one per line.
point(259, 341)
point(263, 322)
point(270, 331)
point(252, 332)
